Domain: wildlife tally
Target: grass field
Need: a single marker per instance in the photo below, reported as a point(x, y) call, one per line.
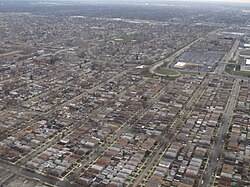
point(189, 73)
point(166, 72)
point(148, 75)
point(230, 70)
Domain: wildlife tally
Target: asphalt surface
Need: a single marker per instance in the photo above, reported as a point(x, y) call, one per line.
point(171, 58)
point(54, 181)
point(173, 130)
point(222, 65)
point(219, 143)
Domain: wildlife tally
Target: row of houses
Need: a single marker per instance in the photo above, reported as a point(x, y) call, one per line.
point(234, 167)
point(183, 163)
point(117, 164)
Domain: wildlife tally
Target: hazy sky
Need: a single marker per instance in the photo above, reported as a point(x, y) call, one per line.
point(184, 0)
point(178, 0)
point(236, 1)
point(146, 1)
point(117, 1)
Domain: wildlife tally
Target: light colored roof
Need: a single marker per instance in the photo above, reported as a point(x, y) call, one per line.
point(180, 65)
point(248, 62)
point(247, 45)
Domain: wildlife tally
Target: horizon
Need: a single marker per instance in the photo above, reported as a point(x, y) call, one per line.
point(146, 1)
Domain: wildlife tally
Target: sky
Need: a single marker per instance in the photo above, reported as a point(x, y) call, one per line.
point(235, 1)
point(192, 0)
point(246, 1)
point(117, 1)
point(146, 1)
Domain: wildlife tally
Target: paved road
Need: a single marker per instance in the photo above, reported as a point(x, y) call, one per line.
point(219, 143)
point(51, 141)
point(171, 58)
point(61, 105)
point(6, 175)
point(221, 67)
point(20, 171)
point(195, 98)
point(55, 138)
point(173, 130)
point(126, 127)
point(10, 53)
point(150, 163)
point(17, 169)
point(216, 151)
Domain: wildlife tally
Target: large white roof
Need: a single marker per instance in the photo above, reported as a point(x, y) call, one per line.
point(246, 45)
point(181, 64)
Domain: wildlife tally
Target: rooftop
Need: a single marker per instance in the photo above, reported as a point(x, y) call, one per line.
point(247, 61)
